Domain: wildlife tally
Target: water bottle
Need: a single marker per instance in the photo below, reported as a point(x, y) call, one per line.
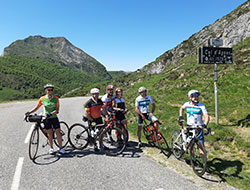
point(92, 132)
point(189, 139)
point(96, 131)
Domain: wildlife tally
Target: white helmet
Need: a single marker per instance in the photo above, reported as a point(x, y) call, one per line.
point(141, 89)
point(193, 92)
point(48, 86)
point(95, 91)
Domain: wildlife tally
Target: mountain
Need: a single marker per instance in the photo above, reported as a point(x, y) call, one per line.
point(56, 50)
point(232, 28)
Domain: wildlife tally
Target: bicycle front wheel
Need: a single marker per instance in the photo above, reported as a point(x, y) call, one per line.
point(198, 157)
point(177, 143)
point(162, 144)
point(78, 136)
point(64, 130)
point(113, 141)
point(34, 143)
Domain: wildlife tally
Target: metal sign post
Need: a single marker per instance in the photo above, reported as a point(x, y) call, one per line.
point(215, 55)
point(216, 94)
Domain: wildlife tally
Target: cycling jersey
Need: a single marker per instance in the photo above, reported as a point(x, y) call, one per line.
point(94, 108)
point(108, 101)
point(143, 103)
point(194, 113)
point(120, 103)
point(49, 105)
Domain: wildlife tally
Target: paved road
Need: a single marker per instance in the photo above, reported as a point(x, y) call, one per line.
point(76, 169)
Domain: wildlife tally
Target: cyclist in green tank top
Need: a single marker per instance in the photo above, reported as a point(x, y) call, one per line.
point(50, 104)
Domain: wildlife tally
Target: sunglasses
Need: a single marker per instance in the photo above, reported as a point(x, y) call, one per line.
point(50, 90)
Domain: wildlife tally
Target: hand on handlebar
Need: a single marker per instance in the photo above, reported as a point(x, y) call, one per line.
point(143, 117)
point(181, 120)
point(204, 126)
point(26, 116)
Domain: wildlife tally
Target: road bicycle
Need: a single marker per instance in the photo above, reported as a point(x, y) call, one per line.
point(182, 140)
point(153, 136)
point(39, 125)
point(112, 139)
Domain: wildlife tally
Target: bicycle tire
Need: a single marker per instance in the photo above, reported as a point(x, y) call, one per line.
point(34, 143)
point(125, 130)
point(198, 163)
point(64, 130)
point(115, 144)
point(148, 135)
point(177, 142)
point(162, 143)
point(78, 136)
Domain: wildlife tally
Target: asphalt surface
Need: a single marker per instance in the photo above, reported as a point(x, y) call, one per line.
point(76, 169)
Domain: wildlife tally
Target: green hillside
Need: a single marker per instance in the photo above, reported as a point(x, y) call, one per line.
point(229, 149)
point(23, 78)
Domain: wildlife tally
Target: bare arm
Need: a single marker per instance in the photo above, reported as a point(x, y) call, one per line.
point(181, 111)
point(153, 107)
point(88, 115)
point(33, 110)
point(207, 119)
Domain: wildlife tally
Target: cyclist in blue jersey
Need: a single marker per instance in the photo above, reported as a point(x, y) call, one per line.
point(142, 103)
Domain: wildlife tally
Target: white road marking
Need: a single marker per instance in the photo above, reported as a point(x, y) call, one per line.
point(17, 176)
point(29, 134)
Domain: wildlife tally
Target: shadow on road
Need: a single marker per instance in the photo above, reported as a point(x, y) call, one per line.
point(46, 159)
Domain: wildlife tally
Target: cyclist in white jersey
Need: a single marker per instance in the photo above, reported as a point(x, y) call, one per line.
point(142, 109)
point(195, 110)
point(108, 98)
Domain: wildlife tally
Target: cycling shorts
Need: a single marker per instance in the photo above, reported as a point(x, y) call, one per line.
point(98, 120)
point(120, 116)
point(146, 115)
point(51, 123)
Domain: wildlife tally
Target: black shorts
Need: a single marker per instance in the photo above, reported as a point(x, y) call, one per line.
point(51, 123)
point(140, 120)
point(120, 116)
point(98, 120)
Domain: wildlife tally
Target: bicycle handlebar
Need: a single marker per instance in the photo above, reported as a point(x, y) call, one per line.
point(34, 118)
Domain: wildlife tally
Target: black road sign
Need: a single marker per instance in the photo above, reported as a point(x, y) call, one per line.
point(215, 55)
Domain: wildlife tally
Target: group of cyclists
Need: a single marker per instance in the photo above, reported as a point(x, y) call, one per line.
point(96, 108)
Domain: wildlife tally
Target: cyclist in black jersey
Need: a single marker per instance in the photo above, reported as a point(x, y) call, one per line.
point(119, 105)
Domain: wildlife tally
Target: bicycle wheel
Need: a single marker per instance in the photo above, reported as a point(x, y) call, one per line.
point(198, 157)
point(112, 141)
point(162, 143)
point(177, 142)
point(64, 129)
point(125, 130)
point(78, 136)
point(34, 143)
point(148, 135)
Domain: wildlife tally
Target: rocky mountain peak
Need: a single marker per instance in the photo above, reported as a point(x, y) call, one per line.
point(57, 50)
point(232, 28)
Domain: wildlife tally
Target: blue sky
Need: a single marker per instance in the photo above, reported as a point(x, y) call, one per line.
point(121, 34)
